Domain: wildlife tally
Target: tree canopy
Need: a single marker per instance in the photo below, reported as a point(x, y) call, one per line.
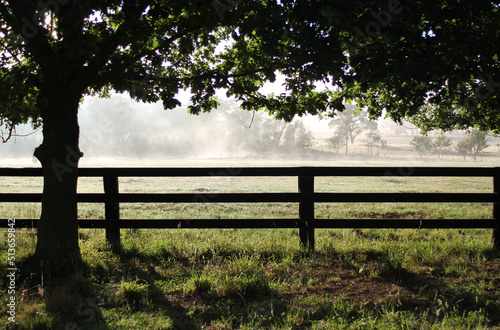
point(432, 62)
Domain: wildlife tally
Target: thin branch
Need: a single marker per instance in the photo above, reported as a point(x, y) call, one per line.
point(11, 130)
point(251, 120)
point(24, 135)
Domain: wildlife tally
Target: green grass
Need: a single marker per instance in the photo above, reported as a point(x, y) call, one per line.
point(255, 279)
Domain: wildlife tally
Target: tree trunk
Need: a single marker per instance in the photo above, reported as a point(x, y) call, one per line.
point(59, 154)
point(346, 144)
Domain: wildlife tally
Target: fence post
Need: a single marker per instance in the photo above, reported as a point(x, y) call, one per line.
point(496, 208)
point(112, 209)
point(306, 211)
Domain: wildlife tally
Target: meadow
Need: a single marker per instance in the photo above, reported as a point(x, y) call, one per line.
point(263, 279)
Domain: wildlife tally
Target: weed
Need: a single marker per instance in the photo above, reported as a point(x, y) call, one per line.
point(132, 292)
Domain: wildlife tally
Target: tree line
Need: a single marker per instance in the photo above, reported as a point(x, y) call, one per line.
point(472, 145)
point(353, 121)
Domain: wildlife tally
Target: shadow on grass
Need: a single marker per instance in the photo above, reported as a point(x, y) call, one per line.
point(56, 298)
point(150, 291)
point(75, 300)
point(439, 294)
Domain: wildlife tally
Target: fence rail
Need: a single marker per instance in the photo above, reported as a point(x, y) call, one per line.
point(306, 197)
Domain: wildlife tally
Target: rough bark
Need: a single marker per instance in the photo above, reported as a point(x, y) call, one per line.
point(59, 154)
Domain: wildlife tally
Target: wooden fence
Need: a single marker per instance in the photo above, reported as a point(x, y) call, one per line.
point(306, 197)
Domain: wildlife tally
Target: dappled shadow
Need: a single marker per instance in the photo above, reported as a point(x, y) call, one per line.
point(143, 273)
point(310, 286)
point(67, 294)
point(379, 281)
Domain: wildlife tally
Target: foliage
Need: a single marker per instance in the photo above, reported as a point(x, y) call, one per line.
point(350, 123)
point(374, 140)
point(473, 144)
point(318, 42)
point(406, 61)
point(423, 145)
point(336, 142)
point(442, 143)
point(463, 148)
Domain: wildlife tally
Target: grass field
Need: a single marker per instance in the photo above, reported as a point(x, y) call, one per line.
point(262, 279)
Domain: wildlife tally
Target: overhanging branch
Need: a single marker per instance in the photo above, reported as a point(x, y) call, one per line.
point(26, 27)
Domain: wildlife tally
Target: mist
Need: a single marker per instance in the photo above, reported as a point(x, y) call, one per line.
point(120, 128)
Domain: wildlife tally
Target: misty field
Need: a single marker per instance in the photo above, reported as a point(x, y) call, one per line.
point(255, 279)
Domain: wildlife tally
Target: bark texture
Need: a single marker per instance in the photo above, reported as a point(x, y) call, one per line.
point(59, 154)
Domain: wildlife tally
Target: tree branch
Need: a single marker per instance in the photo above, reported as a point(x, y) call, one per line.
point(251, 120)
point(24, 25)
point(11, 130)
point(107, 48)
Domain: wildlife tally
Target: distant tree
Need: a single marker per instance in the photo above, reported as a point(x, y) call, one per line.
point(423, 145)
point(271, 132)
point(477, 142)
point(442, 143)
point(372, 140)
point(297, 136)
point(350, 124)
point(463, 148)
point(383, 146)
point(336, 142)
point(303, 138)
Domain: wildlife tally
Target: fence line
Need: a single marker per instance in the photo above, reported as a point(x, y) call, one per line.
point(306, 197)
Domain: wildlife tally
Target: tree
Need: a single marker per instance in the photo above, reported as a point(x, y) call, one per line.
point(463, 148)
point(423, 145)
point(442, 143)
point(477, 142)
point(271, 132)
point(383, 146)
point(55, 52)
point(336, 142)
point(297, 136)
point(350, 124)
point(304, 138)
point(473, 144)
point(372, 140)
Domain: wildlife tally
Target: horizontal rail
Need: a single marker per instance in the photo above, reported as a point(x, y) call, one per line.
point(21, 197)
point(267, 171)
